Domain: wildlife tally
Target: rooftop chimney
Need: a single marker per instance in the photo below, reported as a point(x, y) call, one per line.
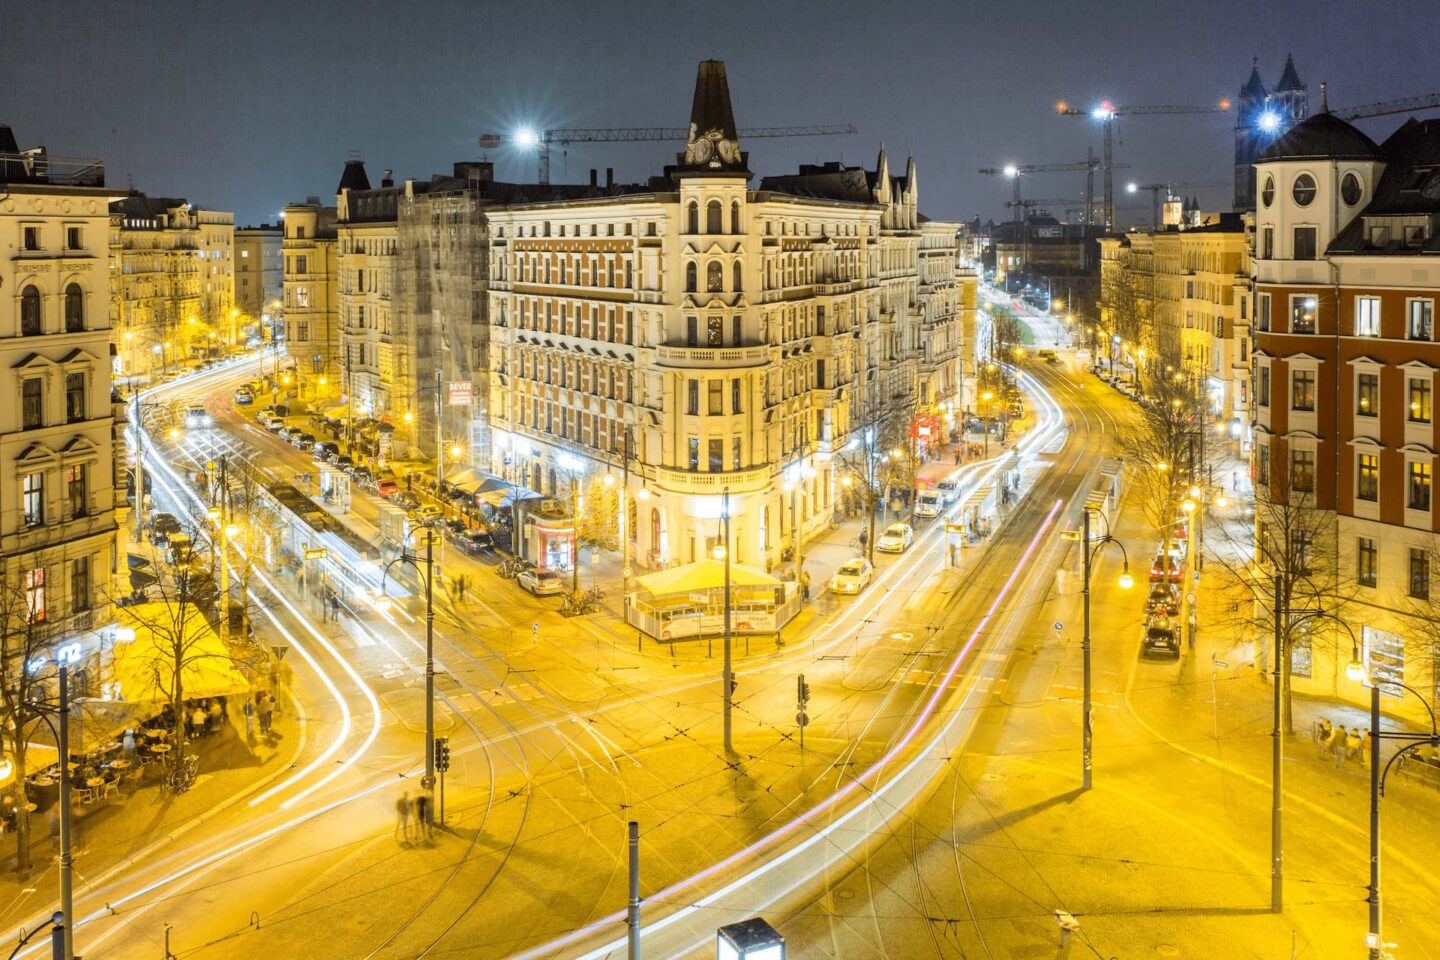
point(609, 177)
point(592, 177)
point(389, 179)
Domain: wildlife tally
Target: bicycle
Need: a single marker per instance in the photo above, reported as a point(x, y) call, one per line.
point(183, 776)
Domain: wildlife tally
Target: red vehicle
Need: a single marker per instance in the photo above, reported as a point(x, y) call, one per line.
point(387, 487)
point(1164, 567)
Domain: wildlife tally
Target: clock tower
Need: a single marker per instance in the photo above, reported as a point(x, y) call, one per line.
point(713, 145)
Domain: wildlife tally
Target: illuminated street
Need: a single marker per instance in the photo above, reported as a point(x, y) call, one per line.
point(746, 481)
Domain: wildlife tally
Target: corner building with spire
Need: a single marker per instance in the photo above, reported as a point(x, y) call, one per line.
point(712, 337)
point(1262, 117)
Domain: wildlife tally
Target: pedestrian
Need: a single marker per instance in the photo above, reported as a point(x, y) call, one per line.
point(805, 586)
point(422, 816)
point(213, 716)
point(1337, 746)
point(262, 707)
point(957, 456)
point(197, 721)
point(402, 817)
point(460, 587)
point(864, 538)
point(1323, 731)
point(334, 606)
point(1355, 747)
point(249, 711)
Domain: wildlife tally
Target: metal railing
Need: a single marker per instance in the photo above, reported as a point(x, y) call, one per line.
point(36, 167)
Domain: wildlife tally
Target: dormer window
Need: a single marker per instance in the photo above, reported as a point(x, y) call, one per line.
point(1267, 193)
point(1304, 190)
point(1351, 190)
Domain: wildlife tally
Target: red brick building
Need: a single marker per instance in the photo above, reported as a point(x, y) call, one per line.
point(1347, 272)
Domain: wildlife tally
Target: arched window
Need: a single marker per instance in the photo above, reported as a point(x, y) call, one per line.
point(690, 274)
point(735, 217)
point(714, 217)
point(655, 530)
point(737, 286)
point(692, 220)
point(74, 309)
point(714, 277)
point(30, 324)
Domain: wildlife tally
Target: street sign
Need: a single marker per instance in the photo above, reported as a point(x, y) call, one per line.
point(1190, 599)
point(801, 720)
point(316, 553)
point(461, 393)
point(279, 649)
point(1195, 576)
point(1059, 626)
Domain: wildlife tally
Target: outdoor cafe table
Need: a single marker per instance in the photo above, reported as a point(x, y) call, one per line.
point(160, 748)
point(121, 764)
point(94, 782)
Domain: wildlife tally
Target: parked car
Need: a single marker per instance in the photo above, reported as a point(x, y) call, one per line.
point(1164, 567)
point(322, 450)
point(541, 582)
point(475, 541)
point(344, 462)
point(853, 576)
point(948, 489)
point(896, 538)
point(387, 487)
point(179, 547)
point(1161, 637)
point(244, 397)
point(928, 504)
point(304, 440)
point(291, 433)
point(429, 512)
point(363, 476)
point(162, 527)
point(1163, 598)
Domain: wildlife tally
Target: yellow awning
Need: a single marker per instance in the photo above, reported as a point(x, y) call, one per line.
point(38, 756)
point(704, 575)
point(144, 668)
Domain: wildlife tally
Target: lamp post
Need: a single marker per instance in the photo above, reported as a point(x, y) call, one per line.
point(1125, 582)
point(428, 782)
point(729, 677)
point(1358, 671)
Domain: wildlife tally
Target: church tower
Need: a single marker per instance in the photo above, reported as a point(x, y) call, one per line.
point(1261, 118)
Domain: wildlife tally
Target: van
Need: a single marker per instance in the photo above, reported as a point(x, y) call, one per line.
point(1047, 355)
point(929, 504)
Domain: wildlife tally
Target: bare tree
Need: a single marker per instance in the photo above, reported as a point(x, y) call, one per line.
point(1160, 451)
point(24, 638)
point(1291, 542)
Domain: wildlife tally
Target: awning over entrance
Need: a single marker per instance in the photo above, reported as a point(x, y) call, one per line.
point(38, 756)
point(144, 668)
point(704, 575)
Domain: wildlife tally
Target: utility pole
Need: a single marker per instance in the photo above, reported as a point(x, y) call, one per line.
point(1087, 734)
point(67, 860)
point(1277, 846)
point(428, 783)
point(439, 429)
point(139, 468)
point(632, 919)
point(729, 677)
point(802, 699)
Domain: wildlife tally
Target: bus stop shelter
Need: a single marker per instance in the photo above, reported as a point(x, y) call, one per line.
point(689, 601)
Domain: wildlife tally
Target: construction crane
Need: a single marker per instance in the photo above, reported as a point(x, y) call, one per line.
point(1155, 189)
point(1016, 171)
point(527, 138)
point(1383, 108)
point(1106, 112)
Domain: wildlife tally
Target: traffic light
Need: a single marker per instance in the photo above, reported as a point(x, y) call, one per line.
point(802, 691)
point(442, 754)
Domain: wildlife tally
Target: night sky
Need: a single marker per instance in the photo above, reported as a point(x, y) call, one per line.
point(247, 106)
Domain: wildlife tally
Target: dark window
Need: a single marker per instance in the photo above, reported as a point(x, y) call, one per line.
point(694, 453)
point(692, 332)
point(32, 412)
point(1262, 386)
point(715, 397)
point(1304, 189)
point(1302, 550)
point(1419, 574)
point(1418, 486)
point(1262, 464)
point(1367, 481)
point(1262, 312)
point(80, 584)
point(1350, 192)
point(1302, 470)
point(32, 238)
point(692, 403)
point(717, 456)
point(735, 331)
point(690, 277)
point(72, 238)
point(692, 218)
point(75, 489)
point(30, 321)
point(735, 405)
point(1304, 243)
point(74, 397)
point(301, 263)
point(714, 217)
point(734, 453)
point(1422, 317)
point(737, 285)
point(1367, 562)
point(714, 277)
point(735, 217)
point(1367, 395)
point(1267, 192)
point(32, 498)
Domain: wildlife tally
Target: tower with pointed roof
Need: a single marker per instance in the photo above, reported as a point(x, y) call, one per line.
point(1261, 118)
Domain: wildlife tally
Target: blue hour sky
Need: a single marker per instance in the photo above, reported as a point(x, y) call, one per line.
point(246, 106)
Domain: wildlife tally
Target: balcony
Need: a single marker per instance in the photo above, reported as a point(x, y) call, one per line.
point(712, 484)
point(712, 357)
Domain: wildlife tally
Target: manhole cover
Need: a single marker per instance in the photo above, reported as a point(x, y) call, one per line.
point(902, 635)
point(1168, 950)
point(992, 776)
point(846, 895)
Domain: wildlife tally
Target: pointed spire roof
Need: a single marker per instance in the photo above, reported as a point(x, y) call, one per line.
point(7, 140)
point(714, 144)
point(1289, 79)
point(354, 177)
point(1254, 87)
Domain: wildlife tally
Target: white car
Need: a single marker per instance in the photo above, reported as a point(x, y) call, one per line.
point(853, 576)
point(896, 538)
point(948, 490)
point(197, 416)
point(929, 504)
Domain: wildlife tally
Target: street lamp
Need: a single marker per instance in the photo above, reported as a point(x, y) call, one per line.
point(1125, 582)
point(727, 675)
point(428, 781)
point(1357, 671)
